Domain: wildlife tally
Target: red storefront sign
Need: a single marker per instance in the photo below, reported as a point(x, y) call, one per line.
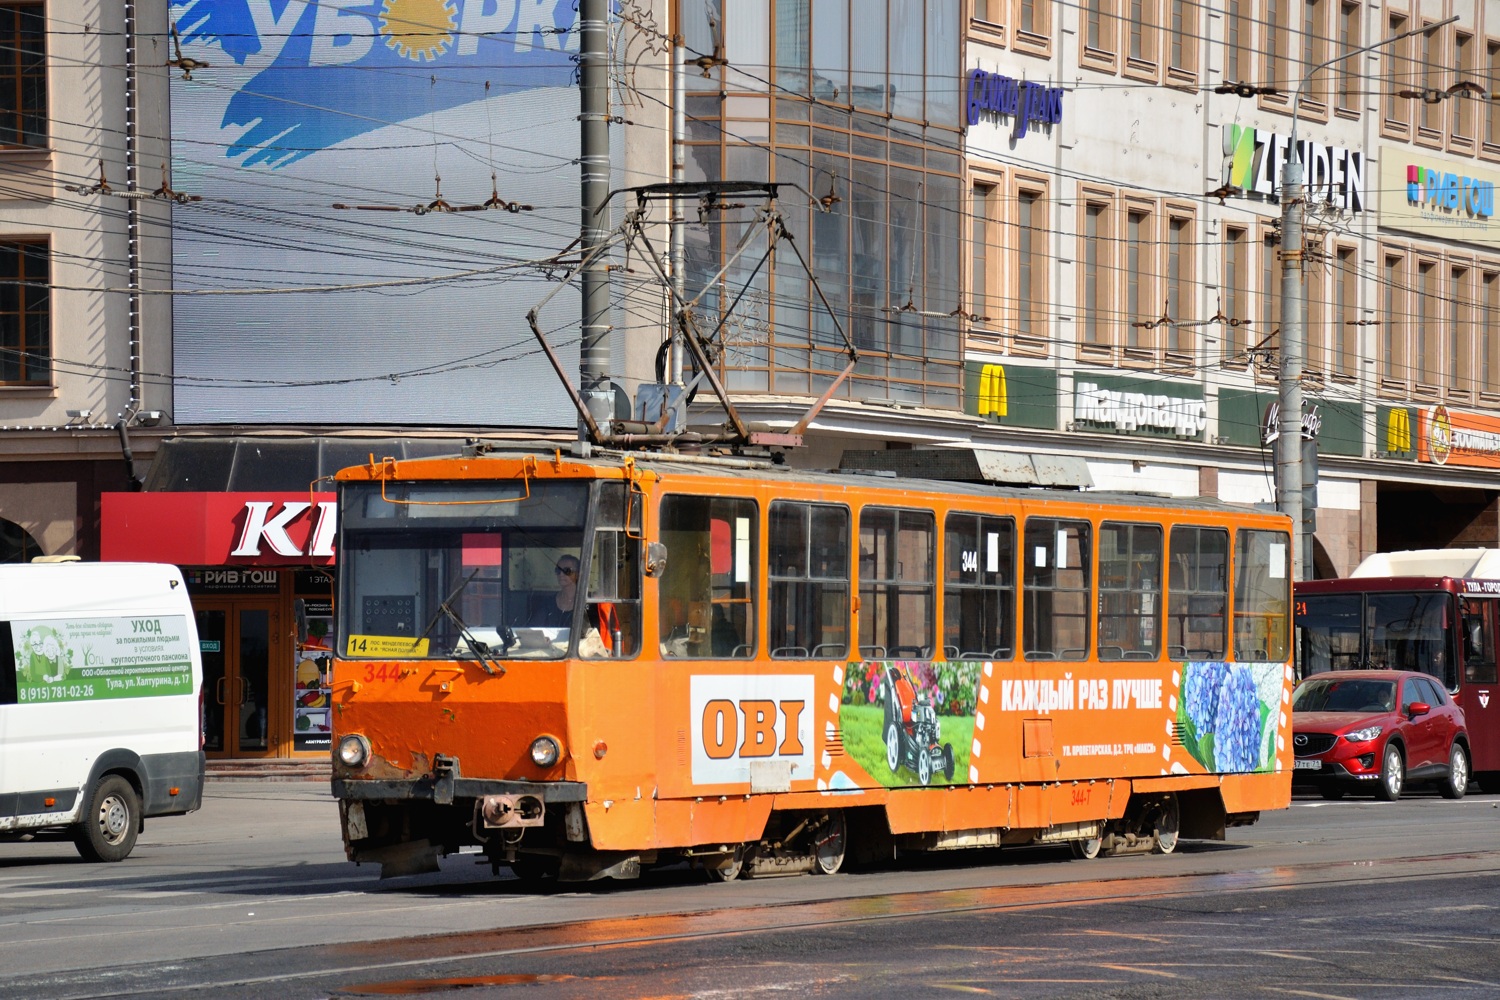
point(1456, 437)
point(219, 529)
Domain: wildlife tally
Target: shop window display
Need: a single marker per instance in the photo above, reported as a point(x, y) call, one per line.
point(311, 725)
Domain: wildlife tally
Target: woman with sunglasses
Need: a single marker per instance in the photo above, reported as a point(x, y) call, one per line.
point(558, 613)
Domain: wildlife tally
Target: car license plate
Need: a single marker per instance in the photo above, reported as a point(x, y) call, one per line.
point(1308, 765)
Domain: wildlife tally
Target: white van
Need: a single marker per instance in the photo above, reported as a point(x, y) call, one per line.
point(100, 714)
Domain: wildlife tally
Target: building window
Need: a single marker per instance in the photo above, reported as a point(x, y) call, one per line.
point(1462, 102)
point(1034, 17)
point(1182, 38)
point(1142, 30)
point(1314, 49)
point(1178, 273)
point(1350, 81)
point(1140, 331)
point(1099, 24)
point(1273, 73)
point(1428, 334)
point(1096, 275)
point(989, 10)
point(986, 246)
point(1236, 40)
point(1345, 312)
point(1459, 349)
point(1489, 354)
point(1432, 82)
point(1401, 77)
point(1393, 320)
point(1235, 303)
point(1492, 107)
point(1031, 269)
point(25, 313)
point(23, 74)
point(1270, 291)
point(1315, 321)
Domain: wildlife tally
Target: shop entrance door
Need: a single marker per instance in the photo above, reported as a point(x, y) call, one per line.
point(238, 641)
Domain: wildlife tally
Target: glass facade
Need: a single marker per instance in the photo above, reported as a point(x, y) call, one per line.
point(853, 105)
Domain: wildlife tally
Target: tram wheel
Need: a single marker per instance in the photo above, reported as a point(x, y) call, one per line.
point(731, 869)
point(1088, 848)
point(830, 845)
point(1167, 821)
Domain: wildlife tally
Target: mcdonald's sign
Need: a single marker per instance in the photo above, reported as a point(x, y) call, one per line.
point(993, 396)
point(1014, 395)
point(1394, 430)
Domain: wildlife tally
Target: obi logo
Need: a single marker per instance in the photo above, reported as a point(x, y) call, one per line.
point(743, 719)
point(1449, 191)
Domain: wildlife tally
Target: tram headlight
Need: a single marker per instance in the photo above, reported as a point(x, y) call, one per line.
point(1364, 735)
point(544, 751)
point(354, 750)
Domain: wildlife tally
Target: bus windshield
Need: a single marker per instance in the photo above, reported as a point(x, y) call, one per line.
point(460, 570)
point(1401, 631)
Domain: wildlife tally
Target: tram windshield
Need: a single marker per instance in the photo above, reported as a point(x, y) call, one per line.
point(1386, 630)
point(478, 570)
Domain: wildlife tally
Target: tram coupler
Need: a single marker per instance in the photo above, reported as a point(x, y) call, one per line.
point(498, 812)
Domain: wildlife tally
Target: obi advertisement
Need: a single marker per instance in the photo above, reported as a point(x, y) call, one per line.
point(368, 190)
point(92, 659)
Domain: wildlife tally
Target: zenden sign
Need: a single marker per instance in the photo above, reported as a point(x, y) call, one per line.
point(1254, 158)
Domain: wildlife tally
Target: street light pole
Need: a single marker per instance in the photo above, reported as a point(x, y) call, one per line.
point(1293, 322)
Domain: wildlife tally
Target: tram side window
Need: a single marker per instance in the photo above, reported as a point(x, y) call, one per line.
point(1056, 588)
point(707, 593)
point(809, 580)
point(897, 583)
point(1129, 591)
point(613, 627)
point(1198, 593)
point(1262, 595)
point(979, 587)
point(1478, 642)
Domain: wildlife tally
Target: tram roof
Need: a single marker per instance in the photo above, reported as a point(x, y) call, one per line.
point(752, 469)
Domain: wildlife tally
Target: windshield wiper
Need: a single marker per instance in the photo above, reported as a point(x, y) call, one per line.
point(480, 649)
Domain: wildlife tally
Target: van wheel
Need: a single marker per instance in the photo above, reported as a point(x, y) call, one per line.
point(111, 821)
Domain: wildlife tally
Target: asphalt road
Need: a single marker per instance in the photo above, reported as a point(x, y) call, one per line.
point(251, 897)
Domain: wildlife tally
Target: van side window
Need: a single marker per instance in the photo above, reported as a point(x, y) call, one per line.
point(1055, 582)
point(809, 576)
point(7, 666)
point(897, 583)
point(1198, 593)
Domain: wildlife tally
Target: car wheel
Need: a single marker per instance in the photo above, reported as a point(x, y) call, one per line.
point(111, 821)
point(1331, 792)
point(893, 746)
point(1457, 780)
point(1392, 775)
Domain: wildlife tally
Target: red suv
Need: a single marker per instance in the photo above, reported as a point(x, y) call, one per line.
point(1377, 729)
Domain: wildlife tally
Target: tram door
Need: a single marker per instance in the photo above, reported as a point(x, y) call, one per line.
point(237, 639)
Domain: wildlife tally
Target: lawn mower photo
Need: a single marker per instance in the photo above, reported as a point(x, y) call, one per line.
point(911, 729)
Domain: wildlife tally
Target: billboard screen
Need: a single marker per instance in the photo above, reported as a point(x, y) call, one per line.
point(321, 280)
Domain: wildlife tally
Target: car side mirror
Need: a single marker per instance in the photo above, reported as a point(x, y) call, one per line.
point(1417, 708)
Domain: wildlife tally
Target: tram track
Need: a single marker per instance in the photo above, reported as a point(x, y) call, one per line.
point(325, 970)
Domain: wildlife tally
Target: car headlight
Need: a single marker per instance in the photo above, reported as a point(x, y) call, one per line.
point(544, 751)
point(1364, 735)
point(354, 750)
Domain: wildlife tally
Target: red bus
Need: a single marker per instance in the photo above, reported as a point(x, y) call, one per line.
point(1432, 610)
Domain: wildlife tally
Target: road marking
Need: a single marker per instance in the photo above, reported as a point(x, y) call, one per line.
point(1140, 968)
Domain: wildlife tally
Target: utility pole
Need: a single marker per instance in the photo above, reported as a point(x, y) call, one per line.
point(1294, 321)
point(593, 352)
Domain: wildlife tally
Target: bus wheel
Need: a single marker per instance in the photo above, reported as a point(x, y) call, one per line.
point(1167, 821)
point(829, 847)
point(893, 746)
point(111, 821)
point(732, 868)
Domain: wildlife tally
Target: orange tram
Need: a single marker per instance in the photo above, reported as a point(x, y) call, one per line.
point(583, 666)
